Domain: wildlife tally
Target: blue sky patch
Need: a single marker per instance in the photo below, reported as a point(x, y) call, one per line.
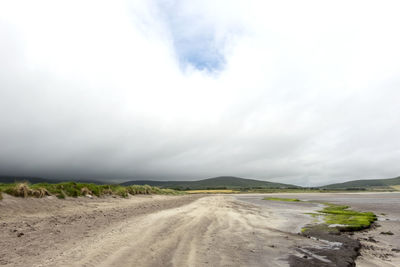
point(199, 51)
point(194, 40)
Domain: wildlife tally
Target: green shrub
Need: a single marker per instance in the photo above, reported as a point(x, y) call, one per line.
point(121, 191)
point(61, 195)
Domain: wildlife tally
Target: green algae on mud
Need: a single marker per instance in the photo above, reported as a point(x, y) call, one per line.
point(335, 219)
point(347, 219)
point(339, 218)
point(329, 224)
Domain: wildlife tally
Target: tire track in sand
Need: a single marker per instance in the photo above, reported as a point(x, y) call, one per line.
point(211, 231)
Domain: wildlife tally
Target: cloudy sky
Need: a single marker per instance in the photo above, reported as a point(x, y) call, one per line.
point(304, 92)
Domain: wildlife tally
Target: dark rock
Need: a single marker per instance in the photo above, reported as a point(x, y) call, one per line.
point(386, 233)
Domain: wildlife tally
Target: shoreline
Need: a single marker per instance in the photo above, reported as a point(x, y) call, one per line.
point(159, 230)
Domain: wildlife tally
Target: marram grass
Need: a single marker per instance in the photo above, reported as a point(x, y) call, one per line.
point(72, 189)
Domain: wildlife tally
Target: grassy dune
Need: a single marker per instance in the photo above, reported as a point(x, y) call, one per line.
point(72, 189)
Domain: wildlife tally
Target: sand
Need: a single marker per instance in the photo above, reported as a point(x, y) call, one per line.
point(193, 230)
point(143, 231)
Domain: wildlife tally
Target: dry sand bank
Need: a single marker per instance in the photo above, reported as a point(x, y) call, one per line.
point(35, 231)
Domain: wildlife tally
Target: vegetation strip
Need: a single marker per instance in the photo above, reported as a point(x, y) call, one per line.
point(282, 199)
point(72, 189)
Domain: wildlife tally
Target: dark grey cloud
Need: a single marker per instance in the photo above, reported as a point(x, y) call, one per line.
point(298, 98)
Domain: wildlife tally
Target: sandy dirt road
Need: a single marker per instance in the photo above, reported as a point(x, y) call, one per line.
point(145, 231)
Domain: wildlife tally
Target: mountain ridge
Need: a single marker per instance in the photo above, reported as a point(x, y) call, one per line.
point(228, 182)
point(364, 183)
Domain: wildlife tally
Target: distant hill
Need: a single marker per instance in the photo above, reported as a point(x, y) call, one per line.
point(365, 183)
point(227, 182)
point(36, 180)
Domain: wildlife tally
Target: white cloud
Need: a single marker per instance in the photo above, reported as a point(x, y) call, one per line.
point(307, 92)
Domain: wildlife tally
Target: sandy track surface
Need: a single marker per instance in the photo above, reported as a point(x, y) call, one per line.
point(33, 232)
point(145, 231)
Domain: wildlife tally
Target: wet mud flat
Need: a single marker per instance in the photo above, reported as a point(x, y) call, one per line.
point(340, 250)
point(377, 246)
point(331, 248)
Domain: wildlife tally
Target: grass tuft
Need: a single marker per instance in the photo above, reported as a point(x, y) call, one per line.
point(85, 191)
